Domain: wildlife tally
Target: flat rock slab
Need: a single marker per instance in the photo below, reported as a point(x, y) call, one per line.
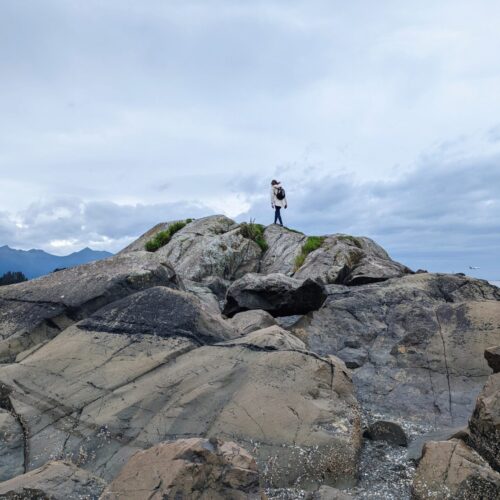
point(424, 335)
point(193, 468)
point(11, 445)
point(276, 293)
point(54, 481)
point(37, 310)
point(452, 470)
point(98, 397)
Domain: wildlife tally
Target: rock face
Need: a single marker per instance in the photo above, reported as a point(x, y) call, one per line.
point(140, 243)
point(188, 468)
point(275, 293)
point(37, 310)
point(485, 422)
point(249, 321)
point(212, 246)
point(351, 261)
point(11, 446)
point(104, 389)
point(54, 481)
point(452, 470)
point(492, 356)
point(424, 336)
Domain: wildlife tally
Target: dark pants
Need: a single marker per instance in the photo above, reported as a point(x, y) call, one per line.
point(277, 215)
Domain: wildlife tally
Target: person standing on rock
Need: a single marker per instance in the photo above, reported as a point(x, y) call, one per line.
point(278, 200)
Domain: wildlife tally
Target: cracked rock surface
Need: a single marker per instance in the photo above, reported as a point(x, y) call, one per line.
point(198, 469)
point(425, 335)
point(38, 310)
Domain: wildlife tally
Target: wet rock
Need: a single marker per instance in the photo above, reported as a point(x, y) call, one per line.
point(329, 493)
point(188, 468)
point(425, 335)
point(353, 357)
point(276, 293)
point(492, 356)
point(211, 247)
point(97, 397)
point(11, 445)
point(249, 321)
point(284, 247)
point(54, 481)
point(351, 261)
point(484, 424)
point(452, 470)
point(38, 310)
point(417, 444)
point(390, 432)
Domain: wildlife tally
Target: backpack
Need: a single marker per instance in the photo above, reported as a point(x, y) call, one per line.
point(280, 193)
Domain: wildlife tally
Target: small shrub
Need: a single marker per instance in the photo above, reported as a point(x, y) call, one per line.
point(163, 237)
point(312, 243)
point(254, 232)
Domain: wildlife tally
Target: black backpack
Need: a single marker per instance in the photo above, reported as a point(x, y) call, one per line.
point(280, 193)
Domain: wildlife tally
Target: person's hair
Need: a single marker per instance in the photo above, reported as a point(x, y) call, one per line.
point(274, 182)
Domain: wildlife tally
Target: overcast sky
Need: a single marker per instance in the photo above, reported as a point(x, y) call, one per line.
point(381, 119)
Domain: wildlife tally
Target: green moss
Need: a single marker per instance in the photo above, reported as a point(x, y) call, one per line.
point(312, 243)
point(254, 232)
point(163, 237)
point(350, 239)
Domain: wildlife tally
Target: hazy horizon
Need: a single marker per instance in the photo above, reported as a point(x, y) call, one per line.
point(381, 121)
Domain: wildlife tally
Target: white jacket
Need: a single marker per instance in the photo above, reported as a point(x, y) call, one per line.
point(274, 200)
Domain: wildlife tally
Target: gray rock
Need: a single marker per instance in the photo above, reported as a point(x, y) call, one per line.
point(139, 245)
point(390, 432)
point(351, 261)
point(452, 470)
point(278, 294)
point(188, 469)
point(209, 300)
point(97, 398)
point(425, 335)
point(416, 446)
point(484, 424)
point(353, 357)
point(492, 356)
point(284, 247)
point(211, 247)
point(248, 321)
point(37, 310)
point(329, 493)
point(54, 481)
point(11, 444)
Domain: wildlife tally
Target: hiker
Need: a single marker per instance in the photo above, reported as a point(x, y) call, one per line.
point(278, 200)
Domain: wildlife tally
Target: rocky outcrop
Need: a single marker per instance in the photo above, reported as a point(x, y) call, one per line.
point(492, 356)
point(249, 321)
point(188, 468)
point(211, 247)
point(54, 481)
point(139, 245)
point(424, 336)
point(452, 470)
point(350, 260)
point(99, 392)
point(283, 248)
point(11, 445)
point(484, 424)
point(277, 294)
point(37, 310)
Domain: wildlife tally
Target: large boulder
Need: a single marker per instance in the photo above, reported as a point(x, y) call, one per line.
point(249, 321)
point(97, 397)
point(37, 310)
point(212, 246)
point(54, 481)
point(276, 293)
point(350, 260)
point(284, 246)
point(452, 470)
point(139, 245)
point(188, 468)
point(484, 424)
point(423, 337)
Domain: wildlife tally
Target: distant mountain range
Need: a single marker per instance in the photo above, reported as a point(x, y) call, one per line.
point(34, 263)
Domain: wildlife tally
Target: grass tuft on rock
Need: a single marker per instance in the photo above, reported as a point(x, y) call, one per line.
point(254, 232)
point(163, 237)
point(312, 243)
point(350, 239)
